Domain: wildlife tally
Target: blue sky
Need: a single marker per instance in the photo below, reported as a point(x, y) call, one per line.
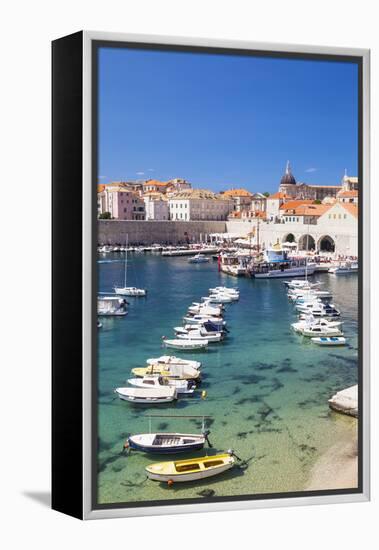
point(225, 121)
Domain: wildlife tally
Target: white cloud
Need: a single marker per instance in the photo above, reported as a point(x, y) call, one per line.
point(310, 170)
point(140, 173)
point(102, 177)
point(150, 170)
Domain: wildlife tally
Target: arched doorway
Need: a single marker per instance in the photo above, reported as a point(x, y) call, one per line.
point(289, 238)
point(307, 242)
point(326, 244)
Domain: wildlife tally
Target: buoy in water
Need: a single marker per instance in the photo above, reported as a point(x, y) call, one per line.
point(170, 482)
point(204, 394)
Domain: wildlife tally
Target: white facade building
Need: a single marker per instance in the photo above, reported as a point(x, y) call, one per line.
point(156, 207)
point(199, 204)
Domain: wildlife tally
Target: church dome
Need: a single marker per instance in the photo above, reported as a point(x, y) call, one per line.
point(288, 178)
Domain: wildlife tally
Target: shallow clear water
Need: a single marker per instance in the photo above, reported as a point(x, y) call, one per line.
point(267, 386)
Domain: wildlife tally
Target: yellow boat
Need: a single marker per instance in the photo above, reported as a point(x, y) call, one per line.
point(191, 469)
point(176, 372)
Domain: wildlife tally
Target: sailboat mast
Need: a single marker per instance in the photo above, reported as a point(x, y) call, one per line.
point(126, 260)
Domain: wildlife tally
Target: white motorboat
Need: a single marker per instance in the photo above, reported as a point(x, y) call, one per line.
point(318, 309)
point(344, 268)
point(320, 331)
point(313, 322)
point(201, 319)
point(301, 284)
point(300, 294)
point(185, 344)
point(111, 306)
point(172, 360)
point(329, 341)
point(154, 396)
point(201, 335)
point(220, 298)
point(158, 381)
point(198, 259)
point(205, 310)
point(99, 325)
point(224, 289)
point(128, 290)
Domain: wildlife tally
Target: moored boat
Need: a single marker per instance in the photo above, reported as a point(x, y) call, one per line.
point(177, 372)
point(113, 306)
point(158, 381)
point(198, 259)
point(192, 469)
point(172, 360)
point(329, 341)
point(165, 443)
point(185, 345)
point(148, 396)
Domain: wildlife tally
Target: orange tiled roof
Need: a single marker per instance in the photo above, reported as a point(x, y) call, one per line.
point(235, 214)
point(291, 205)
point(238, 193)
point(312, 209)
point(351, 208)
point(260, 214)
point(100, 187)
point(348, 194)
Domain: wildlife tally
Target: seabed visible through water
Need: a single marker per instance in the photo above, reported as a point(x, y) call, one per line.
point(268, 388)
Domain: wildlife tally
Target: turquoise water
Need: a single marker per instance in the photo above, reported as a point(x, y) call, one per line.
point(267, 386)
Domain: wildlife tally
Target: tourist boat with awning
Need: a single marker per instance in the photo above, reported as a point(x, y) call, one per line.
point(192, 469)
point(158, 381)
point(176, 372)
point(151, 396)
point(276, 263)
point(186, 344)
point(172, 360)
point(329, 341)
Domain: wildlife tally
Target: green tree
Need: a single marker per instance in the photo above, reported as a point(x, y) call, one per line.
point(317, 201)
point(266, 194)
point(105, 216)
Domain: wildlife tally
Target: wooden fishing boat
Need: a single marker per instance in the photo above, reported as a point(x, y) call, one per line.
point(192, 469)
point(165, 443)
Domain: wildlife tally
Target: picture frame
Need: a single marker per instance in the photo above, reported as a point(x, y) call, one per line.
point(76, 81)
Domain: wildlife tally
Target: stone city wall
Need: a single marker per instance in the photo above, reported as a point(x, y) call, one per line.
point(149, 232)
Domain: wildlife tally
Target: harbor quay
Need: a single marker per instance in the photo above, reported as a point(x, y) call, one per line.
point(337, 236)
point(148, 232)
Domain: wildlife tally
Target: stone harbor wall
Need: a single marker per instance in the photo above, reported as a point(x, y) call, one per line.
point(114, 232)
